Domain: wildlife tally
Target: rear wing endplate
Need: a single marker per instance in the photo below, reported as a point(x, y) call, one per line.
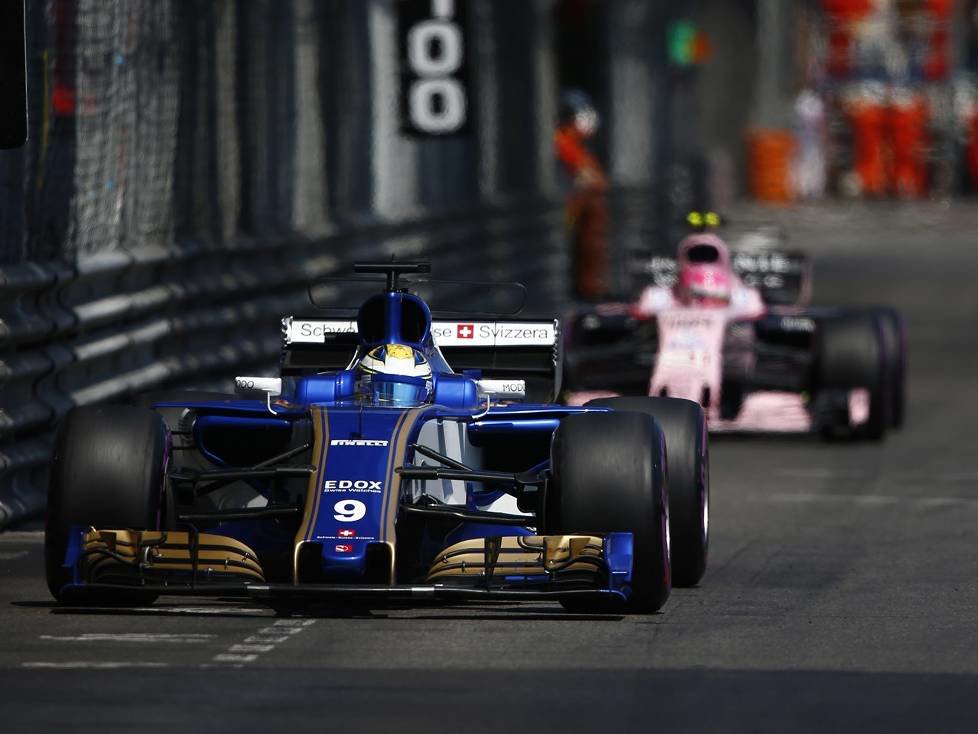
point(782, 276)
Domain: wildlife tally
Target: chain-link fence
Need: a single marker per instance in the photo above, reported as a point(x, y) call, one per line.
point(160, 118)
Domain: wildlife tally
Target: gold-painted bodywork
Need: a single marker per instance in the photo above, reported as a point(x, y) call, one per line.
point(314, 492)
point(153, 554)
point(531, 555)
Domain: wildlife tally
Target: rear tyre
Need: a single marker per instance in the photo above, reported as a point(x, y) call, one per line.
point(107, 472)
point(687, 476)
point(608, 475)
point(851, 354)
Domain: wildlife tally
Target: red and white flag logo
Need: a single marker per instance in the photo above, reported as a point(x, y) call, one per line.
point(345, 533)
point(465, 331)
point(344, 548)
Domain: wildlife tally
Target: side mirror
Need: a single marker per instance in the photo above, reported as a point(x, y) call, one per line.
point(270, 386)
point(502, 389)
point(13, 74)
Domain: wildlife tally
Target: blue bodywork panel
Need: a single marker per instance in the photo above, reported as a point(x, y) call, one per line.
point(355, 490)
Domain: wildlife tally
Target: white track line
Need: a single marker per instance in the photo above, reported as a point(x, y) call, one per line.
point(140, 637)
point(240, 647)
point(200, 610)
point(260, 638)
point(21, 536)
point(97, 664)
point(263, 641)
point(815, 473)
point(237, 659)
point(864, 500)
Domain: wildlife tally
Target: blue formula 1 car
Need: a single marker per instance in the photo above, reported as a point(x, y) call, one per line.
point(393, 460)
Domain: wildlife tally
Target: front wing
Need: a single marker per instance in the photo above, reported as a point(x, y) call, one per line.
point(498, 567)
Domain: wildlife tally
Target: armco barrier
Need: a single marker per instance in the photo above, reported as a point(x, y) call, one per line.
point(122, 322)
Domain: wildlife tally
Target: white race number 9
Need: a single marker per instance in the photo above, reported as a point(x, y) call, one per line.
point(349, 510)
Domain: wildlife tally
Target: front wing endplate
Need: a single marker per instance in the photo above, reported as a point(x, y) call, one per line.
point(134, 556)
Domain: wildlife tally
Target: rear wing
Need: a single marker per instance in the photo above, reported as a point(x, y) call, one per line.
point(782, 276)
point(529, 349)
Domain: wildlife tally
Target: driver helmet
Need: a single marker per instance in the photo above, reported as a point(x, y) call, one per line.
point(704, 284)
point(394, 375)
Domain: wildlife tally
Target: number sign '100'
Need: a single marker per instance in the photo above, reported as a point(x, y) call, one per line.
point(435, 51)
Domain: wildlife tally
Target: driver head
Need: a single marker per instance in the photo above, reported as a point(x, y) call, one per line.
point(394, 375)
point(704, 284)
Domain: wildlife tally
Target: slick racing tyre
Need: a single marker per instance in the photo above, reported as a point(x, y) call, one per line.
point(895, 350)
point(851, 353)
point(687, 478)
point(608, 475)
point(107, 472)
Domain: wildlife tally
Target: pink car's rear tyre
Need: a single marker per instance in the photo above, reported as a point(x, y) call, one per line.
point(851, 354)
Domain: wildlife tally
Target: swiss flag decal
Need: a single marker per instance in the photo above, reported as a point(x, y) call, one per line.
point(465, 331)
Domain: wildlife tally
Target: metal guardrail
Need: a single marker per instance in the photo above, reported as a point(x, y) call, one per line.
point(122, 322)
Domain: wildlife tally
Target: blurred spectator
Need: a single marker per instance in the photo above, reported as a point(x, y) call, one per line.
point(866, 106)
point(909, 115)
point(809, 167)
point(587, 204)
point(890, 140)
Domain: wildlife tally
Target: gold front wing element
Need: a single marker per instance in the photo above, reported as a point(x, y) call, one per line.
point(528, 555)
point(119, 555)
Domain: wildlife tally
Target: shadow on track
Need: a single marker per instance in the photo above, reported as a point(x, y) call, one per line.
point(234, 608)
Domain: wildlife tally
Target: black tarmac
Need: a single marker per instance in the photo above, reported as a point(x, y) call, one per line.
point(841, 592)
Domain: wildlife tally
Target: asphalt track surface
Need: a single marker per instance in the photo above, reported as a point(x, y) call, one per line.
point(841, 592)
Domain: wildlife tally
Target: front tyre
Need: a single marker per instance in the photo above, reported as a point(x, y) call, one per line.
point(687, 476)
point(107, 472)
point(608, 476)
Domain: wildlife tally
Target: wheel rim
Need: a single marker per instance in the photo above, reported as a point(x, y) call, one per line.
point(706, 497)
point(706, 514)
point(668, 540)
point(667, 570)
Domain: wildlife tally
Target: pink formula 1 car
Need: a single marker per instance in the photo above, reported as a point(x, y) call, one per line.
point(756, 357)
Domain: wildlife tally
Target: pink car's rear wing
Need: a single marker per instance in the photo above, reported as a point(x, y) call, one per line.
point(782, 276)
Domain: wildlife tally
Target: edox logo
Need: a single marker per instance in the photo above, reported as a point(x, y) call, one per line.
point(357, 485)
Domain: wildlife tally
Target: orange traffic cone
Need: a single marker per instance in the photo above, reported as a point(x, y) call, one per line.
point(769, 159)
